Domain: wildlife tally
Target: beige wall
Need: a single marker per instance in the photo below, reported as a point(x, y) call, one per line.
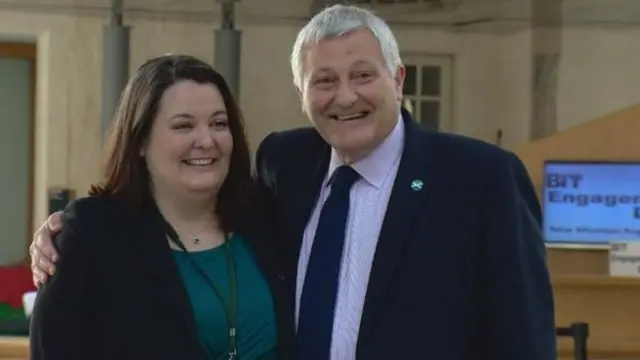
point(492, 81)
point(599, 72)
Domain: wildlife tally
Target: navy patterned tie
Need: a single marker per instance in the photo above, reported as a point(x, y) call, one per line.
point(318, 300)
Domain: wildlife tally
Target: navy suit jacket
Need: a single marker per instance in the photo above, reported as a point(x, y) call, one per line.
point(460, 270)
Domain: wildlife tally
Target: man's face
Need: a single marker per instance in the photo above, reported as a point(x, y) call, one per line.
point(348, 93)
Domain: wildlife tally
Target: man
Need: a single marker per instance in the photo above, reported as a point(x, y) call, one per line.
point(400, 243)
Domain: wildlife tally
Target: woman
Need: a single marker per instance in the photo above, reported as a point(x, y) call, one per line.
point(163, 259)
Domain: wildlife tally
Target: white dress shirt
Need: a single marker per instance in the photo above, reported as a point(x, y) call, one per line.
point(367, 207)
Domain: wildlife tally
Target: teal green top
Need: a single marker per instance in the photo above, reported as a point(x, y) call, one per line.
point(256, 332)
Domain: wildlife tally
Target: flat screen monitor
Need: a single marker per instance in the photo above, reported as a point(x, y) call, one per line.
point(591, 203)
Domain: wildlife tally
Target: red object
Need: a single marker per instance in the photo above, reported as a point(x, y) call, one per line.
point(14, 283)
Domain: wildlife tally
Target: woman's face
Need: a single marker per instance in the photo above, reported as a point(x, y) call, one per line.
point(190, 143)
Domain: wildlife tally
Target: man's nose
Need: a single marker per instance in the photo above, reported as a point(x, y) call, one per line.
point(346, 95)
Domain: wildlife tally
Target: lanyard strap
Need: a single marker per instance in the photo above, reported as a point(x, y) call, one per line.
point(231, 306)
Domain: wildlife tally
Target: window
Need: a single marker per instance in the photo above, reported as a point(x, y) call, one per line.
point(427, 90)
point(17, 101)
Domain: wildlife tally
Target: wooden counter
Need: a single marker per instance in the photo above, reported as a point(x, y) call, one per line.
point(14, 348)
point(611, 307)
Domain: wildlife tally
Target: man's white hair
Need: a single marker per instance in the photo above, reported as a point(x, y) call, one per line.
point(338, 20)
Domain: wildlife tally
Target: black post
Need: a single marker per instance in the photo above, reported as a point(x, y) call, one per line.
point(580, 332)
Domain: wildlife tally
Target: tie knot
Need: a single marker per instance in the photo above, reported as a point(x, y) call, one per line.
point(343, 177)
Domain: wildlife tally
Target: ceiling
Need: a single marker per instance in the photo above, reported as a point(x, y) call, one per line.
point(469, 15)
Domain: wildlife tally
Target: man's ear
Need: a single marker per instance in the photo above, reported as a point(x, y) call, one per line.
point(401, 72)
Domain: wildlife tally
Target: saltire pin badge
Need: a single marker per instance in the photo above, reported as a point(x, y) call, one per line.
point(416, 185)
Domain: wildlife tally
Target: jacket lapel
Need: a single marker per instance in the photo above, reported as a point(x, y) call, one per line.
point(305, 200)
point(410, 190)
point(156, 258)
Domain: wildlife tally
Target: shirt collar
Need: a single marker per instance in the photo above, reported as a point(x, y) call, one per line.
point(375, 167)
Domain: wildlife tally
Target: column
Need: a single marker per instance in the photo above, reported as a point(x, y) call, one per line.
point(546, 44)
point(227, 48)
point(115, 63)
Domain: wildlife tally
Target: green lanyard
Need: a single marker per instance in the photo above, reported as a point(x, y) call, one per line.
point(231, 306)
